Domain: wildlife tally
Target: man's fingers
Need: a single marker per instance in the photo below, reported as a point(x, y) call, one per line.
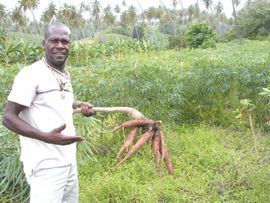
point(86, 104)
point(87, 111)
point(59, 129)
point(72, 139)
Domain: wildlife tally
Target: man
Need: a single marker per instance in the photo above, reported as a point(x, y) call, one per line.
point(39, 109)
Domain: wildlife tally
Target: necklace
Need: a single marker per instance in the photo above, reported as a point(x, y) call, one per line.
point(56, 74)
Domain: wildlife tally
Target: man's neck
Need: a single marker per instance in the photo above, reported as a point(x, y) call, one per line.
point(57, 67)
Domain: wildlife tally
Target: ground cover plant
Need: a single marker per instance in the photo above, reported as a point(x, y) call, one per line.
point(211, 165)
point(196, 93)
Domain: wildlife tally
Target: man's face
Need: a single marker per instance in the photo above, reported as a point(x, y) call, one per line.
point(57, 46)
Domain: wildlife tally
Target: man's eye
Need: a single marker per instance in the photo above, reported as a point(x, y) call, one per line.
point(64, 41)
point(56, 41)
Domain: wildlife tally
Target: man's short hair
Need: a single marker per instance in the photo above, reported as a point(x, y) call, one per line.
point(49, 28)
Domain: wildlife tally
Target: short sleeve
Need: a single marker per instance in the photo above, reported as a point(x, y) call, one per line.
point(24, 87)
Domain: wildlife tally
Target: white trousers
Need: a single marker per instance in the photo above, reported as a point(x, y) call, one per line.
point(54, 185)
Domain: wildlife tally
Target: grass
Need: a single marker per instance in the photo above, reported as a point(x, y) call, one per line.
point(211, 165)
point(24, 37)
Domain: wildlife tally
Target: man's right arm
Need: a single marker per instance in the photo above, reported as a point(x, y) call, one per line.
point(12, 121)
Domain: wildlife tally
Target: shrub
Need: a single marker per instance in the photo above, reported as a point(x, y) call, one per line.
point(121, 30)
point(200, 35)
point(253, 19)
point(138, 33)
point(176, 41)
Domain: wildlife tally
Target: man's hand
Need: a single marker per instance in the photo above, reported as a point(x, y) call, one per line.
point(87, 109)
point(56, 137)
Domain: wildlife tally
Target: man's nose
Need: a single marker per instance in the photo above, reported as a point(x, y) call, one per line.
point(59, 43)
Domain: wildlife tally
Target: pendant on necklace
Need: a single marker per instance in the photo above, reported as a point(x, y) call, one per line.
point(62, 94)
point(62, 86)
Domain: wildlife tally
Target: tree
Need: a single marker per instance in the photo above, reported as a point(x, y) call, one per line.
point(183, 13)
point(132, 15)
point(70, 15)
point(48, 14)
point(124, 3)
point(117, 9)
point(254, 19)
point(207, 3)
point(138, 33)
point(200, 35)
point(198, 9)
point(218, 11)
point(129, 17)
point(3, 15)
point(85, 8)
point(30, 5)
point(151, 13)
point(108, 17)
point(191, 12)
point(96, 9)
point(18, 17)
point(235, 3)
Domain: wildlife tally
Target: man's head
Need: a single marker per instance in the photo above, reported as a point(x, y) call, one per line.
point(57, 44)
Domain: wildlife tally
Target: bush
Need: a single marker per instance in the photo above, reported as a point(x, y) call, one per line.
point(121, 30)
point(200, 35)
point(176, 41)
point(138, 33)
point(253, 19)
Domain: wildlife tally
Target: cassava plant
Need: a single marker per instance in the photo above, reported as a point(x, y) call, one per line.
point(151, 131)
point(247, 108)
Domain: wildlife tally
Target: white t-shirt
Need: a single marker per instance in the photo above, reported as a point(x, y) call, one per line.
point(37, 87)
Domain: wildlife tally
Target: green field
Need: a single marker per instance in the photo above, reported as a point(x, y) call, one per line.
point(197, 93)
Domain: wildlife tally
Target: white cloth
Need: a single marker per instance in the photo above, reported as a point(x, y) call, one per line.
point(54, 185)
point(36, 87)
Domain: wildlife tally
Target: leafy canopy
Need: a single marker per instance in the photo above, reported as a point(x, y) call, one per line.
point(200, 35)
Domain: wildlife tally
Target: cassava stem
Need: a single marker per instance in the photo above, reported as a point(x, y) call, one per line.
point(131, 111)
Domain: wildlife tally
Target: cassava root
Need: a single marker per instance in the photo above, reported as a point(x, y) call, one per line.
point(151, 132)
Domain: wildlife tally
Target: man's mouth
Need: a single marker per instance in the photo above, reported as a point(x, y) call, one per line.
point(59, 54)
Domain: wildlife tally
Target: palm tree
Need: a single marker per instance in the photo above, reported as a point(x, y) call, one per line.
point(48, 14)
point(207, 3)
point(18, 17)
point(3, 15)
point(235, 3)
point(108, 17)
point(150, 13)
point(198, 10)
point(174, 3)
point(30, 5)
point(85, 7)
point(218, 11)
point(129, 17)
point(117, 9)
point(124, 3)
point(132, 15)
point(183, 12)
point(96, 9)
point(70, 15)
point(191, 10)
point(2, 11)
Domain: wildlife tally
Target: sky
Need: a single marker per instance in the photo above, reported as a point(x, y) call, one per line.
point(139, 4)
